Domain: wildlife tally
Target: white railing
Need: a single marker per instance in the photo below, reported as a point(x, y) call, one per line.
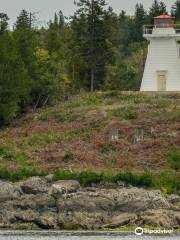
point(148, 29)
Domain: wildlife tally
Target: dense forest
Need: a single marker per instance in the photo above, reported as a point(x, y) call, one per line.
point(95, 49)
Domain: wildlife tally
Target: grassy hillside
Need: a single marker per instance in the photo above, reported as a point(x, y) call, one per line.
point(105, 131)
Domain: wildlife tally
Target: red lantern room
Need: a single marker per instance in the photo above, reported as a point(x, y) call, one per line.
point(164, 21)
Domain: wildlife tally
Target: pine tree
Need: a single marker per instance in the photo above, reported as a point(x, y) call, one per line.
point(3, 22)
point(12, 75)
point(158, 8)
point(57, 40)
point(175, 11)
point(90, 40)
point(139, 20)
point(25, 36)
point(61, 22)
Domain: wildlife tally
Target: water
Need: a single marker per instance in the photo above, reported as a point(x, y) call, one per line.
point(10, 235)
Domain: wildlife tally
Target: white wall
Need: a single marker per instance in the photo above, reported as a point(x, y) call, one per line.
point(162, 56)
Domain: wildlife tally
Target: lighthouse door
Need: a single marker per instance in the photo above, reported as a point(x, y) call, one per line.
point(161, 81)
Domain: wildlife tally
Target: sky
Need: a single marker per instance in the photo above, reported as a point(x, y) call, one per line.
point(45, 9)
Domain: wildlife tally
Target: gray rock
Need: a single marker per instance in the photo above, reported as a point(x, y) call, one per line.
point(121, 183)
point(160, 218)
point(8, 191)
point(82, 220)
point(122, 219)
point(137, 200)
point(34, 185)
point(64, 187)
point(49, 178)
point(38, 202)
point(48, 220)
point(174, 200)
point(26, 216)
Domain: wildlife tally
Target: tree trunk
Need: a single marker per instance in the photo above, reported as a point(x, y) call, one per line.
point(92, 46)
point(92, 79)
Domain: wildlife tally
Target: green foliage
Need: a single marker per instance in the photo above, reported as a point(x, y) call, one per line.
point(68, 156)
point(166, 181)
point(19, 174)
point(158, 8)
point(105, 149)
point(175, 11)
point(12, 79)
point(90, 42)
point(70, 226)
point(124, 113)
point(173, 158)
point(3, 22)
point(135, 179)
point(94, 49)
point(5, 153)
point(87, 178)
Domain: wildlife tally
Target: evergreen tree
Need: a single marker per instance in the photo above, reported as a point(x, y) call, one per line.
point(158, 8)
point(26, 43)
point(175, 11)
point(3, 22)
point(90, 40)
point(61, 21)
point(139, 20)
point(12, 75)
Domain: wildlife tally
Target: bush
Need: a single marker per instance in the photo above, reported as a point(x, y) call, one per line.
point(134, 179)
point(167, 182)
point(173, 158)
point(124, 113)
point(68, 156)
point(19, 174)
point(85, 178)
point(6, 153)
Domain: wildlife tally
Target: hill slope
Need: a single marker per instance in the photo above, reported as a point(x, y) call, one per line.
point(100, 131)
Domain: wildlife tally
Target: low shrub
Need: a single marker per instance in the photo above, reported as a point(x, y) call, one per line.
point(19, 174)
point(167, 182)
point(68, 156)
point(124, 113)
point(144, 179)
point(6, 153)
point(173, 158)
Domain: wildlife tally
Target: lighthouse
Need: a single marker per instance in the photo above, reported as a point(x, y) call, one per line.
point(162, 68)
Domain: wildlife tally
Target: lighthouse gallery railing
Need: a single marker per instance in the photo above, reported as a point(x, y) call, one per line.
point(148, 29)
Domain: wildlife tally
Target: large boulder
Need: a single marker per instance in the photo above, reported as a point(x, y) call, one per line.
point(174, 200)
point(122, 219)
point(137, 200)
point(26, 216)
point(8, 191)
point(160, 218)
point(86, 209)
point(48, 220)
point(63, 187)
point(7, 217)
point(114, 207)
point(34, 185)
point(38, 202)
point(82, 220)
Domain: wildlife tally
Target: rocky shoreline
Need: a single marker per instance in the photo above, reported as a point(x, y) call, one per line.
point(41, 203)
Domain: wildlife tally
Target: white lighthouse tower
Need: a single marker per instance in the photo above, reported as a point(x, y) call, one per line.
point(162, 68)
